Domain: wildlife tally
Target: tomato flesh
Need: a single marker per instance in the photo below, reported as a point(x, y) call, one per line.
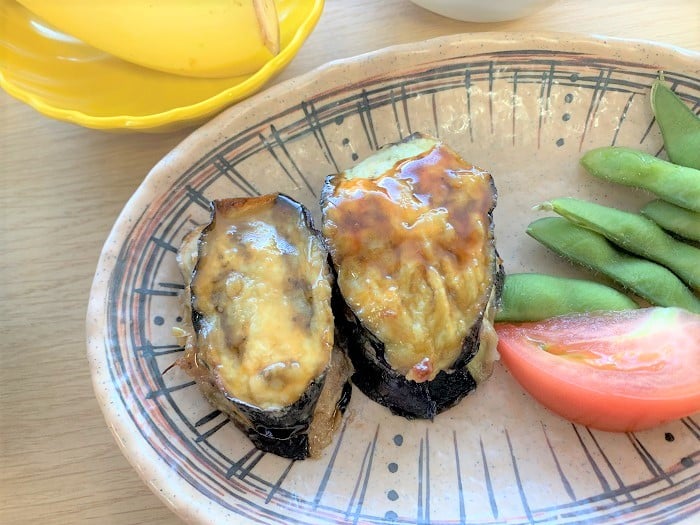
point(614, 371)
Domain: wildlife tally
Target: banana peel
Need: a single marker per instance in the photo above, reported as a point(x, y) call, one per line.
point(208, 38)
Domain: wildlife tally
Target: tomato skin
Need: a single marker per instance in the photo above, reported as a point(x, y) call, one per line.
point(614, 371)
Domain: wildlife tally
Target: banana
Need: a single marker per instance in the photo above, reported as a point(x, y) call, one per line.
point(207, 38)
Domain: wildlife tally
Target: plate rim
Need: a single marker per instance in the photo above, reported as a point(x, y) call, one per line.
point(132, 444)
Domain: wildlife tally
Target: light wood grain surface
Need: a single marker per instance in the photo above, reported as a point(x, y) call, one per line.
point(61, 189)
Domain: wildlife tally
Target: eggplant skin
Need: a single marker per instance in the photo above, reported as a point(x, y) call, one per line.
point(381, 382)
point(384, 385)
point(295, 431)
point(283, 432)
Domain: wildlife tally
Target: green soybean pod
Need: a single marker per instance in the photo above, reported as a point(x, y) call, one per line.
point(536, 296)
point(634, 233)
point(677, 184)
point(680, 127)
point(649, 280)
point(670, 217)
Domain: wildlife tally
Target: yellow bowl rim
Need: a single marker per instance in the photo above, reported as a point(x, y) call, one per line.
point(179, 114)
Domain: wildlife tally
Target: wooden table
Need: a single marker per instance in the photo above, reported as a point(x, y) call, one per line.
point(62, 188)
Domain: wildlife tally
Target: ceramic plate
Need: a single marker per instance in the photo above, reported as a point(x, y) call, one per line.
point(69, 80)
point(524, 107)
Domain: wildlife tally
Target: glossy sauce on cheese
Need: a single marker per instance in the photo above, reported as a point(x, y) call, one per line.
point(413, 250)
point(261, 294)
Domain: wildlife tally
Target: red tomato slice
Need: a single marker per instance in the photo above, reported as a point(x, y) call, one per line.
point(615, 371)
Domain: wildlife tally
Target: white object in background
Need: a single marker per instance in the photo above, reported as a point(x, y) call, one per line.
point(484, 10)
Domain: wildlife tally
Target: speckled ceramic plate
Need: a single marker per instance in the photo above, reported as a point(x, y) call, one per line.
point(522, 106)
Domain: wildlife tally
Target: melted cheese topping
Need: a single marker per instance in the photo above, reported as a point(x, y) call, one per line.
point(261, 287)
point(413, 250)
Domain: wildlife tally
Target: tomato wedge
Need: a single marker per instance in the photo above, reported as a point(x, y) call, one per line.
point(614, 371)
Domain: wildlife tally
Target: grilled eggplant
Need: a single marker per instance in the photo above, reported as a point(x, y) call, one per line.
point(410, 233)
point(260, 329)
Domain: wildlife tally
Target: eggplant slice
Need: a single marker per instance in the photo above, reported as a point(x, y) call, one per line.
point(260, 333)
point(410, 234)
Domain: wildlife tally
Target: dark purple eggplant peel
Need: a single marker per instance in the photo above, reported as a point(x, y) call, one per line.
point(410, 233)
point(259, 331)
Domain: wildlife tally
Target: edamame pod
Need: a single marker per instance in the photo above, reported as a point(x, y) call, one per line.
point(649, 280)
point(677, 184)
point(670, 217)
point(535, 296)
point(680, 127)
point(634, 233)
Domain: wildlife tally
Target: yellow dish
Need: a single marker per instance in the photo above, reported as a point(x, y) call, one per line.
point(64, 78)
